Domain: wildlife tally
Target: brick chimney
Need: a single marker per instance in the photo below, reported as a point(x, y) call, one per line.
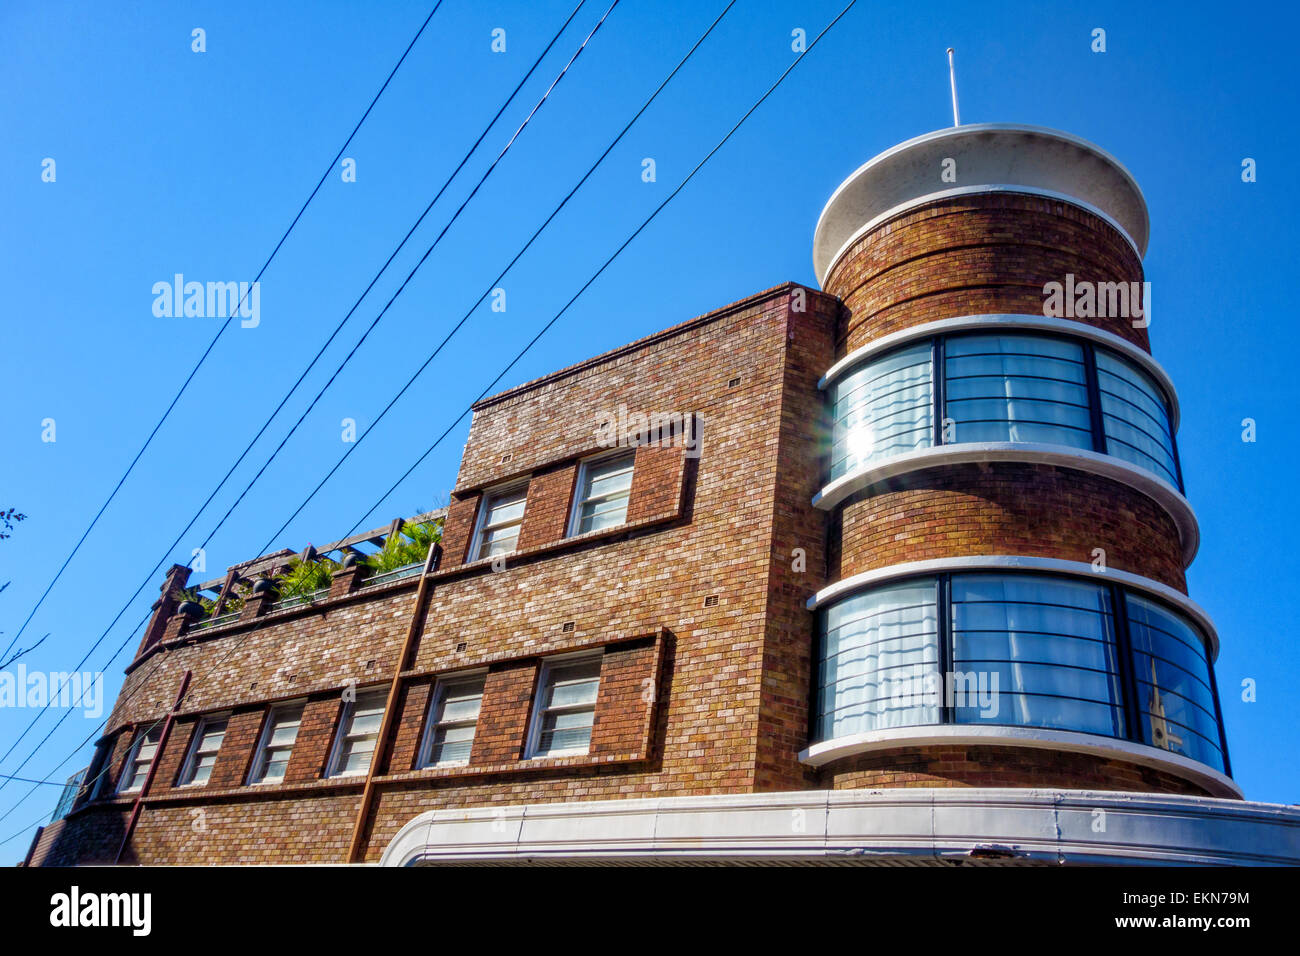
point(165, 607)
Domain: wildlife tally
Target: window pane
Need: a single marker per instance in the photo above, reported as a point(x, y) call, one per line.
point(566, 731)
point(137, 768)
point(605, 514)
point(1037, 651)
point(356, 755)
point(199, 768)
point(284, 734)
point(879, 661)
point(507, 508)
point(883, 408)
point(1017, 388)
point(463, 708)
point(451, 745)
point(453, 721)
point(574, 685)
point(568, 708)
point(499, 541)
point(499, 533)
point(608, 478)
point(280, 738)
point(359, 733)
point(1135, 416)
point(1175, 699)
point(603, 498)
point(213, 734)
point(367, 723)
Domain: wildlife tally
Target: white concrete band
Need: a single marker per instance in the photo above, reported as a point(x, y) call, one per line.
point(947, 735)
point(935, 826)
point(983, 157)
point(1009, 562)
point(997, 321)
point(1061, 456)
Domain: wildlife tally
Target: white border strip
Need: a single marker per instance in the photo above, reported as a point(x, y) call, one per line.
point(1009, 562)
point(902, 825)
point(1008, 320)
point(941, 194)
point(941, 735)
point(1059, 456)
point(949, 131)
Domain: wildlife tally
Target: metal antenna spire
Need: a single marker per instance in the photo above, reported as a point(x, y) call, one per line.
point(952, 80)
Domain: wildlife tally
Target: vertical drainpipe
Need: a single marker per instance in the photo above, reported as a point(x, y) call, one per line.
point(153, 766)
point(357, 848)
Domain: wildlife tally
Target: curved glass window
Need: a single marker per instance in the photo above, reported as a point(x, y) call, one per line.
point(879, 651)
point(1017, 388)
point(1026, 650)
point(1135, 417)
point(1041, 650)
point(1001, 387)
point(884, 408)
point(1175, 692)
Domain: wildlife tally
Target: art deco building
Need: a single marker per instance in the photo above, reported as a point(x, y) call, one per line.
point(890, 571)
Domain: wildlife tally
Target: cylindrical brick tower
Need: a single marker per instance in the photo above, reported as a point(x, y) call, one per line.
point(1008, 526)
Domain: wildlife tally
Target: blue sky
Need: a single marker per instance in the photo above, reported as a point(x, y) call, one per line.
point(173, 161)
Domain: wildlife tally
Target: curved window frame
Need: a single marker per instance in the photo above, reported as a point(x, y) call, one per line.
point(941, 422)
point(1119, 618)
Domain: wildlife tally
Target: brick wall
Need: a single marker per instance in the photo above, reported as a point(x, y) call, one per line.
point(972, 255)
point(997, 767)
point(1007, 508)
point(546, 512)
point(503, 717)
point(628, 697)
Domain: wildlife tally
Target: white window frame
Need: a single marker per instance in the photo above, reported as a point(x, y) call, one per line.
point(133, 757)
point(584, 466)
point(188, 768)
point(341, 735)
point(431, 725)
point(491, 498)
point(255, 773)
point(539, 712)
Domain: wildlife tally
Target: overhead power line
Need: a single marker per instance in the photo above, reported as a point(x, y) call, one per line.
point(145, 582)
point(681, 63)
point(221, 331)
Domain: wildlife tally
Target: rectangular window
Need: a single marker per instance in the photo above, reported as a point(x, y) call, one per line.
point(603, 488)
point(138, 760)
point(498, 532)
point(452, 721)
point(566, 707)
point(1135, 417)
point(1175, 689)
point(1045, 649)
point(879, 651)
point(358, 734)
point(277, 744)
point(1017, 388)
point(883, 408)
point(203, 751)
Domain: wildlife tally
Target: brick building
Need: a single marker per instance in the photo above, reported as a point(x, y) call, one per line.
point(893, 570)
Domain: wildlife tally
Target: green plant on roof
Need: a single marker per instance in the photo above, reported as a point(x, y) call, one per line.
point(409, 547)
point(192, 594)
point(305, 577)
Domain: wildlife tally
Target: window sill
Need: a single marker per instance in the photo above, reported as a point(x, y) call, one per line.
point(527, 765)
